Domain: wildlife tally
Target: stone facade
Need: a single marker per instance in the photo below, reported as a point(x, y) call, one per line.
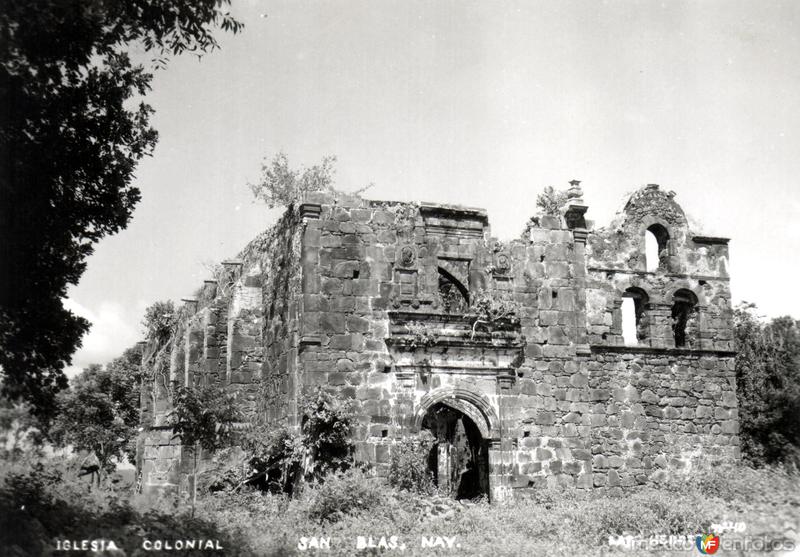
point(380, 302)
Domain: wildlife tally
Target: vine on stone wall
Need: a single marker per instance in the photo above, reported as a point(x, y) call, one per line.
point(492, 312)
point(419, 336)
point(280, 458)
point(160, 321)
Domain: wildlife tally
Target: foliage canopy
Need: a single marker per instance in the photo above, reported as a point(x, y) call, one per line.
point(160, 320)
point(282, 186)
point(280, 459)
point(100, 413)
point(205, 416)
point(550, 201)
point(768, 387)
point(72, 131)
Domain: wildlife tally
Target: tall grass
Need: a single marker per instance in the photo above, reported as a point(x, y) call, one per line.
point(38, 507)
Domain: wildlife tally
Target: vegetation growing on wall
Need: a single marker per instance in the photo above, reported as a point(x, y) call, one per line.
point(492, 311)
point(282, 186)
point(420, 336)
point(280, 459)
point(160, 320)
point(205, 418)
point(326, 427)
point(551, 201)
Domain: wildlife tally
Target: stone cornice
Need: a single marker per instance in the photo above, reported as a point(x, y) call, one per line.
point(711, 240)
point(652, 274)
point(595, 348)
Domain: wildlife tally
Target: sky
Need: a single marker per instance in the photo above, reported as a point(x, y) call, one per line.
point(476, 103)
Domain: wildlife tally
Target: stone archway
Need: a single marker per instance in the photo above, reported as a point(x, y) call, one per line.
point(460, 458)
point(479, 411)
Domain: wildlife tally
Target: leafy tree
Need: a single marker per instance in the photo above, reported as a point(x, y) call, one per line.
point(204, 418)
point(160, 320)
point(326, 426)
point(100, 413)
point(281, 186)
point(18, 431)
point(126, 375)
point(768, 387)
point(550, 201)
point(72, 130)
point(280, 458)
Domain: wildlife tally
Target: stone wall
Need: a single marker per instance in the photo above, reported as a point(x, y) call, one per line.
point(240, 331)
point(623, 417)
point(380, 303)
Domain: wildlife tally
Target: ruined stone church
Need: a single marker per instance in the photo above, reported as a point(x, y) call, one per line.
point(570, 356)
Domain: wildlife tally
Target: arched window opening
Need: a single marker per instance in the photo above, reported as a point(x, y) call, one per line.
point(656, 239)
point(635, 321)
point(453, 297)
point(684, 318)
point(629, 322)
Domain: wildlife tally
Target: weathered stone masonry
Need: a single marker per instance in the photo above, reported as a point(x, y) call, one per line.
point(375, 302)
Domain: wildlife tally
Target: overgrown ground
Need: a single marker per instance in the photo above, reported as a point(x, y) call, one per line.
point(39, 507)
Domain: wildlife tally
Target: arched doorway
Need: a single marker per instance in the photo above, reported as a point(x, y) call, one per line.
point(460, 458)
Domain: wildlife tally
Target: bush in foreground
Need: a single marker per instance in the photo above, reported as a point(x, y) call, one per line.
point(42, 506)
point(344, 493)
point(408, 465)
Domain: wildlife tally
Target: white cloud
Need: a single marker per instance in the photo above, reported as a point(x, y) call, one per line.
point(110, 334)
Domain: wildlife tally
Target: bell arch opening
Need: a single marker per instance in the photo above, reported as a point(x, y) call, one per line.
point(459, 459)
point(635, 320)
point(656, 239)
point(684, 318)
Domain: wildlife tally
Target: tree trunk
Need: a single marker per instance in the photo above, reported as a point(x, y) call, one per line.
point(194, 481)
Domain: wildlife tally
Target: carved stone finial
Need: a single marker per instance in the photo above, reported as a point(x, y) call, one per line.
point(576, 207)
point(574, 191)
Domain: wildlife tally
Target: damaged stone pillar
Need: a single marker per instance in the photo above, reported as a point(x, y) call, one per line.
point(616, 318)
point(443, 469)
point(580, 235)
point(144, 416)
point(661, 335)
point(499, 471)
point(702, 337)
